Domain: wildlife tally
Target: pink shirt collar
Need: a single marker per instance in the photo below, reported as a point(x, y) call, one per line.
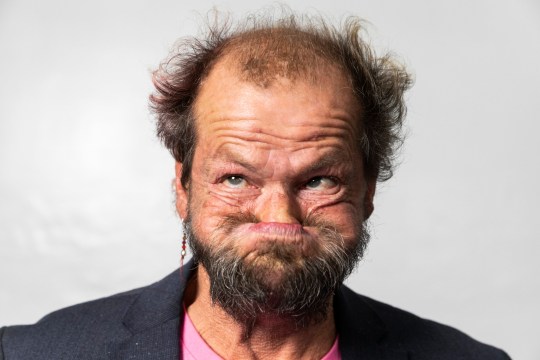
point(193, 346)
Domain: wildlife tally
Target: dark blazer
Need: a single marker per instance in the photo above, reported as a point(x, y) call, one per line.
point(144, 324)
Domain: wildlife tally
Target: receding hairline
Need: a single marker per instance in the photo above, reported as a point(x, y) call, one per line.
point(274, 77)
point(283, 51)
point(277, 71)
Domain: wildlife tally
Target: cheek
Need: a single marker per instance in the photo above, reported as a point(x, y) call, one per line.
point(345, 213)
point(231, 200)
point(344, 217)
point(209, 206)
point(346, 203)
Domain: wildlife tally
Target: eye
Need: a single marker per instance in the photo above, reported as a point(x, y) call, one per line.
point(235, 182)
point(321, 183)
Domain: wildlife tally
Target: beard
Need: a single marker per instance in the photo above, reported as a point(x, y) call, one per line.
point(276, 280)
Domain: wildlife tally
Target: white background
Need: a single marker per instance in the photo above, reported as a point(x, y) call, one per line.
point(85, 199)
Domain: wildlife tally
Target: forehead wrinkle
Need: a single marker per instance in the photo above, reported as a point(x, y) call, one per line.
point(227, 141)
point(252, 146)
point(338, 128)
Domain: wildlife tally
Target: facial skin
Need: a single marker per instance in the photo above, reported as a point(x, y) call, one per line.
point(269, 164)
point(281, 154)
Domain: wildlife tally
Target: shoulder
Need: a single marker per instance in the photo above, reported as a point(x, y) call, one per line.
point(89, 330)
point(421, 338)
point(95, 322)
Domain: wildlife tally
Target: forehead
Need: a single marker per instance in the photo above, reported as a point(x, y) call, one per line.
point(317, 104)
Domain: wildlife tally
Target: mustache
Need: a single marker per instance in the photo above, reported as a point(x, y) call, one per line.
point(233, 220)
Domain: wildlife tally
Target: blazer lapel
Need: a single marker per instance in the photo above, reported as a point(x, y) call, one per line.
point(361, 331)
point(153, 321)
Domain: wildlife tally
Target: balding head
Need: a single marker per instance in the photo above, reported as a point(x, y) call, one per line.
point(263, 49)
point(265, 55)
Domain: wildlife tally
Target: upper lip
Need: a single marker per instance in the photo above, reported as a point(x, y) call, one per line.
point(278, 229)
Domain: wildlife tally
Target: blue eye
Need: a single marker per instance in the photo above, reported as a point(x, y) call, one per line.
point(235, 181)
point(321, 183)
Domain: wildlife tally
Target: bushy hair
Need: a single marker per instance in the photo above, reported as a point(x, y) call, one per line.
point(290, 46)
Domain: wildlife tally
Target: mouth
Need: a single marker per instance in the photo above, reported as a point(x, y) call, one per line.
point(277, 229)
point(257, 238)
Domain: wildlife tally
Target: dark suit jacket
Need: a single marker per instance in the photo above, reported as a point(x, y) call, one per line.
point(144, 324)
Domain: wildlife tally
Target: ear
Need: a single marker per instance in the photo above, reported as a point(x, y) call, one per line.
point(181, 192)
point(368, 197)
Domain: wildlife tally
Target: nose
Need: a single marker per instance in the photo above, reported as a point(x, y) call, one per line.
point(278, 205)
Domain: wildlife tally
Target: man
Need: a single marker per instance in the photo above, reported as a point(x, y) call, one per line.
point(280, 131)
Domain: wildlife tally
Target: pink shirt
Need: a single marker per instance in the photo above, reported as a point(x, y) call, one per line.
point(193, 347)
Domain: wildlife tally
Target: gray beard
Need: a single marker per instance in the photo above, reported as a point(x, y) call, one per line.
point(306, 284)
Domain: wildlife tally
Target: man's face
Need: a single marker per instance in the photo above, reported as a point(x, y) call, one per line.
point(277, 177)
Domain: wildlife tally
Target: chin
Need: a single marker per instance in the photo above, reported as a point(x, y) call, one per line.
point(273, 269)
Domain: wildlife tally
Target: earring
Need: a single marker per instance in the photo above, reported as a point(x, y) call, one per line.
point(183, 252)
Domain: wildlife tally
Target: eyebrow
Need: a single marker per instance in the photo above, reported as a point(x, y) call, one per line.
point(237, 158)
point(328, 160)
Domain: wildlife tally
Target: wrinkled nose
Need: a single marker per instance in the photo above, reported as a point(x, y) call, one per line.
point(278, 206)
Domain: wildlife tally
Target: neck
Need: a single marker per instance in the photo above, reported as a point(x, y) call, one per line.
point(271, 336)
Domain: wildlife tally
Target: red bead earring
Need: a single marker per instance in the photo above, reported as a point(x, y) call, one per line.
point(183, 252)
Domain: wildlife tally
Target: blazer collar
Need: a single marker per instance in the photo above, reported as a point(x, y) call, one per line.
point(154, 319)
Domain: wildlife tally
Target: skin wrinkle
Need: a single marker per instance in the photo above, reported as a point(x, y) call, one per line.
point(313, 205)
point(228, 161)
point(333, 123)
point(228, 138)
point(238, 160)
